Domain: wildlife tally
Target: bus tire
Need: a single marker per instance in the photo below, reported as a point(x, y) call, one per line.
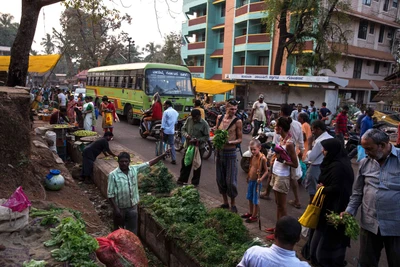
point(128, 112)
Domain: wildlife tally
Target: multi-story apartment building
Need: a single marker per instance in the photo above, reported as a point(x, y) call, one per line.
point(227, 37)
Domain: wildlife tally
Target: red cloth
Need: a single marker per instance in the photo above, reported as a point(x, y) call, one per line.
point(341, 122)
point(157, 111)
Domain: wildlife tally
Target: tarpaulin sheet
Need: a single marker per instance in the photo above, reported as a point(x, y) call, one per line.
point(212, 86)
point(39, 64)
point(387, 118)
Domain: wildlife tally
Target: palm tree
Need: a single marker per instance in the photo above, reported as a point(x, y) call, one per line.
point(153, 51)
point(48, 44)
point(6, 20)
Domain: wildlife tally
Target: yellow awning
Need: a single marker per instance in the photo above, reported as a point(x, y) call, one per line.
point(212, 86)
point(39, 64)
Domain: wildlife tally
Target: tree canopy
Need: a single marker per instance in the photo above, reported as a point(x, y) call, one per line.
point(322, 22)
point(8, 29)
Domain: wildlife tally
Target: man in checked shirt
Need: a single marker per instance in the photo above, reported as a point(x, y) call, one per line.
point(341, 124)
point(123, 192)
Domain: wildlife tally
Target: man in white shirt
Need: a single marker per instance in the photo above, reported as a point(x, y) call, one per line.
point(280, 254)
point(169, 119)
point(62, 99)
point(259, 113)
point(315, 157)
point(295, 113)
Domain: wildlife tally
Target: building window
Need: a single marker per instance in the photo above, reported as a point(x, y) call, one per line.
point(357, 68)
point(221, 36)
point(368, 63)
point(385, 64)
point(376, 67)
point(201, 62)
point(395, 3)
point(201, 37)
point(386, 5)
point(381, 33)
point(263, 61)
point(223, 8)
point(244, 31)
point(366, 2)
point(263, 28)
point(242, 61)
point(390, 34)
point(220, 63)
point(371, 28)
point(243, 2)
point(362, 29)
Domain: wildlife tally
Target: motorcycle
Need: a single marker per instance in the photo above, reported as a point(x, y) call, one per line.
point(179, 140)
point(352, 143)
point(247, 125)
point(155, 126)
point(263, 135)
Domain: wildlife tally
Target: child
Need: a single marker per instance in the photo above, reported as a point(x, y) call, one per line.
point(257, 172)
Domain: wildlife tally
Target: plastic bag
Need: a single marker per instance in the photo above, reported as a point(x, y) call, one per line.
point(303, 169)
point(189, 155)
point(160, 148)
point(109, 118)
point(360, 153)
point(18, 201)
point(283, 153)
point(121, 248)
point(298, 171)
point(197, 159)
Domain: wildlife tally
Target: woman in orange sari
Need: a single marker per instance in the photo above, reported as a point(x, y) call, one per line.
point(107, 110)
point(71, 109)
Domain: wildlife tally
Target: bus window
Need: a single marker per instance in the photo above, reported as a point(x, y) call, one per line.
point(123, 83)
point(133, 77)
point(107, 81)
point(139, 82)
point(168, 82)
point(119, 79)
point(130, 82)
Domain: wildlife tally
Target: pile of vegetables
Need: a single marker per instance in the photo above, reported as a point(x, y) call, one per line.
point(61, 126)
point(75, 245)
point(34, 263)
point(352, 229)
point(215, 238)
point(220, 139)
point(84, 133)
point(156, 179)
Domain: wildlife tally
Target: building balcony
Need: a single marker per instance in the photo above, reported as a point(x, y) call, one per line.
point(253, 38)
point(253, 7)
point(196, 45)
point(247, 69)
point(196, 69)
point(198, 20)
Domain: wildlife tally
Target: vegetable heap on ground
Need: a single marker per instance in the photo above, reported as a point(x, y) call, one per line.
point(156, 179)
point(83, 133)
point(76, 246)
point(352, 229)
point(215, 238)
point(220, 138)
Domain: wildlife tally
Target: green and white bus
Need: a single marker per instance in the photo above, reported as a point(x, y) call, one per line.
point(131, 87)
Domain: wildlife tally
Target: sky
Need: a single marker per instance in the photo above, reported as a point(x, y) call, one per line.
point(143, 28)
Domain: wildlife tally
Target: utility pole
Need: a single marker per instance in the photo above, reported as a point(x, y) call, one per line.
point(129, 48)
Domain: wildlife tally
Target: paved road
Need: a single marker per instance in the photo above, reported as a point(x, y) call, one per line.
point(128, 136)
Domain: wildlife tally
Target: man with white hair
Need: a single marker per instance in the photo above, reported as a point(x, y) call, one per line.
point(377, 191)
point(259, 113)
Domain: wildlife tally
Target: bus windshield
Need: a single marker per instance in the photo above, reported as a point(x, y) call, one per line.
point(168, 82)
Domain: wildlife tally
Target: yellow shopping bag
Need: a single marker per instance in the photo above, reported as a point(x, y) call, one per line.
point(109, 118)
point(310, 216)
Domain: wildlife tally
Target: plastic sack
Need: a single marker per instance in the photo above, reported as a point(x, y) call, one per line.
point(360, 153)
point(12, 221)
point(121, 248)
point(109, 118)
point(189, 155)
point(51, 139)
point(303, 169)
point(160, 148)
point(18, 201)
point(196, 159)
point(298, 171)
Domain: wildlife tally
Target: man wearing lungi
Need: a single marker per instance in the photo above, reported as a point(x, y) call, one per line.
point(226, 158)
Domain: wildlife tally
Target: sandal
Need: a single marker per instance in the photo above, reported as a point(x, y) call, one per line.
point(224, 206)
point(292, 203)
point(270, 230)
point(246, 215)
point(234, 209)
point(270, 237)
point(251, 219)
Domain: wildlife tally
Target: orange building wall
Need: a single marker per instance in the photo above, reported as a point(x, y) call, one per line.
point(228, 38)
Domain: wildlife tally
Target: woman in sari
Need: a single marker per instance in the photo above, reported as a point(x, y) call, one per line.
point(88, 111)
point(36, 101)
point(71, 109)
point(107, 109)
point(328, 244)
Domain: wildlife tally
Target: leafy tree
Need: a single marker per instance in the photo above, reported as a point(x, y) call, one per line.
point(8, 29)
point(23, 40)
point(48, 45)
point(172, 48)
point(154, 52)
point(297, 21)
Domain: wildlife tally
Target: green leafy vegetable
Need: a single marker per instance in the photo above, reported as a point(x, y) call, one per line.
point(34, 263)
point(352, 229)
point(220, 139)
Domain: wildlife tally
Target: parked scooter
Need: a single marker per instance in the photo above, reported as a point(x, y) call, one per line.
point(155, 126)
point(247, 125)
point(263, 135)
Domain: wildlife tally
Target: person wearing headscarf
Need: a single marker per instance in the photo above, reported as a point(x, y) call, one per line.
point(328, 245)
